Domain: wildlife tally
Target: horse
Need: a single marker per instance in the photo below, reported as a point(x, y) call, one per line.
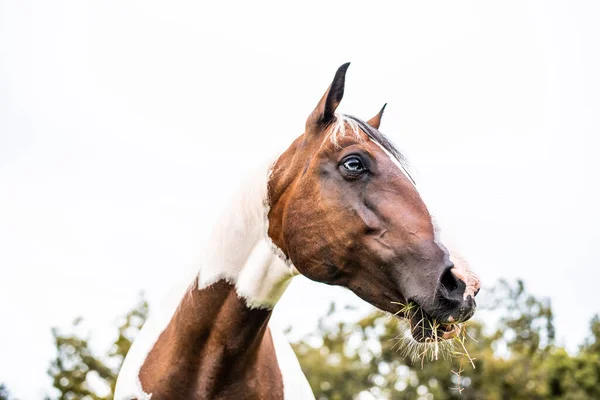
point(337, 206)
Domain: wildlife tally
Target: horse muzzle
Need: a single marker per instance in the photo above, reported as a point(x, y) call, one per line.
point(454, 301)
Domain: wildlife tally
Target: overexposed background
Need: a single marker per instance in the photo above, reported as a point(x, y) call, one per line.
point(124, 125)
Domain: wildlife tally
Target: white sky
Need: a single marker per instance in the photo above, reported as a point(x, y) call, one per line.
point(125, 124)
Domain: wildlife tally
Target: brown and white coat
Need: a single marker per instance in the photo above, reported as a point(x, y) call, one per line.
point(338, 207)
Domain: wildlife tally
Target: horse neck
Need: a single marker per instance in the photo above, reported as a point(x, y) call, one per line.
point(218, 331)
point(214, 339)
point(240, 251)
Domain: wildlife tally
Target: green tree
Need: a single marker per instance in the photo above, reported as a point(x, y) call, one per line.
point(78, 373)
point(4, 393)
point(516, 360)
point(578, 377)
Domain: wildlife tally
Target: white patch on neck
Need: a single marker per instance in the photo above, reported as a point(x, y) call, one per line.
point(264, 277)
point(241, 252)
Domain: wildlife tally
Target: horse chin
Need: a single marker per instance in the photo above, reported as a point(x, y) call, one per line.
point(424, 328)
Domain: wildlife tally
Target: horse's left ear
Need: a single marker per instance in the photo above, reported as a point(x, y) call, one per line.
point(376, 120)
point(324, 113)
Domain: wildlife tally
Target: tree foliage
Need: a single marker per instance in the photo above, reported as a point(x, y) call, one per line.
point(515, 357)
point(78, 373)
point(4, 394)
point(518, 359)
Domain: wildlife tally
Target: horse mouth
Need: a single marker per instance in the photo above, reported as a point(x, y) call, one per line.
point(424, 328)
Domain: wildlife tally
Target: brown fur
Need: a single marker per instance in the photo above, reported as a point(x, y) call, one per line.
point(215, 347)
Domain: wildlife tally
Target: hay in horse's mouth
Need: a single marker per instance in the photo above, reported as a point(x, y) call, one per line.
point(424, 337)
point(424, 328)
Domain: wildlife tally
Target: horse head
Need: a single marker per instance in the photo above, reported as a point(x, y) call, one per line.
point(345, 211)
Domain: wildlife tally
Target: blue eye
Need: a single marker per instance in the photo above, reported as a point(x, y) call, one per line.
point(354, 164)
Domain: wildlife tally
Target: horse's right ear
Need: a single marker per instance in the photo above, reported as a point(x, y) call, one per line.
point(376, 120)
point(324, 113)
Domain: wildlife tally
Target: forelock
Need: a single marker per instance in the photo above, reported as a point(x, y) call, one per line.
point(345, 125)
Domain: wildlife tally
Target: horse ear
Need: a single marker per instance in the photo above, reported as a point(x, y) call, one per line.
point(376, 120)
point(324, 113)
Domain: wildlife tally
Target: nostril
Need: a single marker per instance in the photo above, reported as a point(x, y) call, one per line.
point(449, 281)
point(470, 301)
